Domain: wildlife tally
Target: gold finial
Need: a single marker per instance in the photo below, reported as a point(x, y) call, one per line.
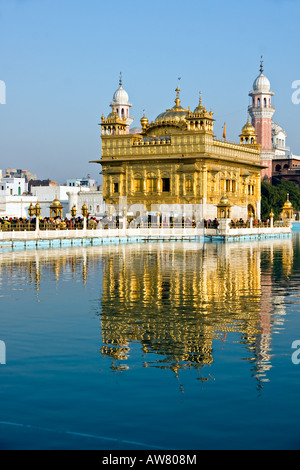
point(144, 121)
point(200, 99)
point(177, 100)
point(121, 80)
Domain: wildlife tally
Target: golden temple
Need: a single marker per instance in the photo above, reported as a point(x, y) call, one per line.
point(176, 160)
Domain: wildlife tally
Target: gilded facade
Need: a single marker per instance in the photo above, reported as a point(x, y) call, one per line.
point(176, 160)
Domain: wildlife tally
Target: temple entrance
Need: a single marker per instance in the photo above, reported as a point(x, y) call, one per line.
point(251, 211)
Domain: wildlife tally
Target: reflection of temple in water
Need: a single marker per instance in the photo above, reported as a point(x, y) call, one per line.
point(176, 300)
point(179, 301)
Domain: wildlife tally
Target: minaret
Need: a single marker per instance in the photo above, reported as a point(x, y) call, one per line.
point(261, 112)
point(121, 104)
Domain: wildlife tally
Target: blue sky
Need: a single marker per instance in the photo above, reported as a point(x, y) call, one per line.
point(60, 61)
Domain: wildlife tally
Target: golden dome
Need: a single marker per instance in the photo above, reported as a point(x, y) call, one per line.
point(172, 115)
point(200, 110)
point(56, 203)
point(144, 121)
point(248, 129)
point(224, 201)
point(248, 135)
point(288, 203)
point(177, 114)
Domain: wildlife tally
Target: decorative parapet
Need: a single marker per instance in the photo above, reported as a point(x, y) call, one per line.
point(152, 141)
point(238, 152)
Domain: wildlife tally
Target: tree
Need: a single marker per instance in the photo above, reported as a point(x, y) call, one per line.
point(274, 196)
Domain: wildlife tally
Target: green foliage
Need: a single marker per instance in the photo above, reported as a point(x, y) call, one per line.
point(274, 196)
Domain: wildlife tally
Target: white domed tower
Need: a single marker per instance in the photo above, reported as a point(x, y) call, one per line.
point(121, 105)
point(261, 112)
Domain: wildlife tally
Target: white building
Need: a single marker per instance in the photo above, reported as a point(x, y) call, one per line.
point(14, 203)
point(86, 182)
point(13, 186)
point(46, 195)
point(93, 200)
point(279, 141)
point(16, 206)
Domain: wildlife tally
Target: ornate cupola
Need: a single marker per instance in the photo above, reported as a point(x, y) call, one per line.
point(287, 210)
point(200, 119)
point(113, 124)
point(121, 104)
point(174, 116)
point(144, 122)
point(248, 135)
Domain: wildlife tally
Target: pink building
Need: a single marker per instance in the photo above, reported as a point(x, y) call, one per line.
point(261, 112)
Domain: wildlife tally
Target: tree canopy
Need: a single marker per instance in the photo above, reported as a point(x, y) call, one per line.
point(274, 196)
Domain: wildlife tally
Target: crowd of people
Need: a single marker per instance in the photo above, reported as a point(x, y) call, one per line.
point(246, 224)
point(57, 223)
point(47, 223)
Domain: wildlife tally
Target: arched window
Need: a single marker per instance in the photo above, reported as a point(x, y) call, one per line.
point(258, 102)
point(265, 102)
point(278, 168)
